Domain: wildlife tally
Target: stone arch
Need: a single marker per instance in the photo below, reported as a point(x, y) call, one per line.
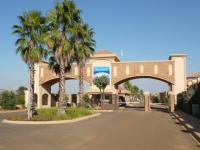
point(138, 77)
point(56, 80)
point(45, 99)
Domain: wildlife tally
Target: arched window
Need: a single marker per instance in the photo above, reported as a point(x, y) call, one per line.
point(45, 99)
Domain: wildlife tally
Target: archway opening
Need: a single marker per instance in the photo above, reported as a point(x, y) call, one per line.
point(132, 92)
point(71, 91)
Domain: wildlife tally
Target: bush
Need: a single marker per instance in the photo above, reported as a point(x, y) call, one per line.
point(48, 114)
point(20, 100)
point(186, 99)
point(20, 95)
point(86, 100)
point(72, 112)
point(155, 99)
point(166, 101)
point(8, 100)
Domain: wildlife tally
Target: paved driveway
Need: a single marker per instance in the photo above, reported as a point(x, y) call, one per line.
point(128, 129)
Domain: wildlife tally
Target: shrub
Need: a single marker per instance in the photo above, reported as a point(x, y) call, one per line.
point(20, 100)
point(72, 112)
point(155, 99)
point(50, 114)
point(8, 100)
point(45, 114)
point(86, 100)
point(166, 101)
point(186, 99)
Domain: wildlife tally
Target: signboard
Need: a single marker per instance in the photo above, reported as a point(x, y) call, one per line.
point(101, 70)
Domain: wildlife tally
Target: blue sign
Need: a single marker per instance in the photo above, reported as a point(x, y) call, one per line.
point(102, 70)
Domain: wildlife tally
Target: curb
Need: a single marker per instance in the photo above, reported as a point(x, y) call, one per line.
point(98, 111)
point(12, 111)
point(51, 122)
point(187, 126)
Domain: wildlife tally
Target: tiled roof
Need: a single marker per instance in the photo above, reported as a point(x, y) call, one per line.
point(103, 52)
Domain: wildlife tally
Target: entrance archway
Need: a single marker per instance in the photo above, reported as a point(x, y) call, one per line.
point(172, 71)
point(147, 102)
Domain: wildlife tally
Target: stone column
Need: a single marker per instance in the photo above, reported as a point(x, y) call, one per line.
point(113, 99)
point(147, 98)
point(171, 97)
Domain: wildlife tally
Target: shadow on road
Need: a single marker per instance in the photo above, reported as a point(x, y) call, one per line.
point(161, 109)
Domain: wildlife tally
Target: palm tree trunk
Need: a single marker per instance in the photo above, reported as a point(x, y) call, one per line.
point(61, 105)
point(81, 84)
point(31, 92)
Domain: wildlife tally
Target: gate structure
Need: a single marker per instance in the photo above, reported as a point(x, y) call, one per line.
point(171, 71)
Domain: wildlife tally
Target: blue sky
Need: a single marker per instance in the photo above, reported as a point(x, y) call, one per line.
point(145, 29)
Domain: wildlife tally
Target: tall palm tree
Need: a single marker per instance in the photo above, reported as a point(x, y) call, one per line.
point(84, 46)
point(28, 45)
point(53, 65)
point(61, 21)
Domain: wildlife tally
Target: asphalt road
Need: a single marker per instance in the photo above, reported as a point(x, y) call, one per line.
point(129, 129)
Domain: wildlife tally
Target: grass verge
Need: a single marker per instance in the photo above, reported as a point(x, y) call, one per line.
point(51, 114)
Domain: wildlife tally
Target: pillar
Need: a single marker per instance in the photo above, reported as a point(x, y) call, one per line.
point(179, 71)
point(171, 97)
point(114, 101)
point(147, 98)
point(40, 90)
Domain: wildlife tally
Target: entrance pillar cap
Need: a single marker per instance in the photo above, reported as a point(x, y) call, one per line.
point(146, 93)
point(177, 55)
point(171, 93)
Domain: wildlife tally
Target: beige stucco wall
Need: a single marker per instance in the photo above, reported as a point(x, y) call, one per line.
point(180, 83)
point(172, 71)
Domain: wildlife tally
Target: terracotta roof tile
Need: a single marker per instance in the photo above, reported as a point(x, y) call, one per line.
point(195, 75)
point(103, 52)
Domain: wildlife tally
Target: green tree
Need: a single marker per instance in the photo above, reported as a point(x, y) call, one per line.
point(61, 23)
point(53, 65)
point(84, 46)
point(155, 99)
point(8, 100)
point(128, 85)
point(135, 91)
point(29, 46)
point(87, 100)
point(20, 95)
point(101, 82)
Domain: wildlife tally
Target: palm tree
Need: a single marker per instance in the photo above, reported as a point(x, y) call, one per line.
point(28, 45)
point(61, 21)
point(53, 65)
point(84, 46)
point(132, 88)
